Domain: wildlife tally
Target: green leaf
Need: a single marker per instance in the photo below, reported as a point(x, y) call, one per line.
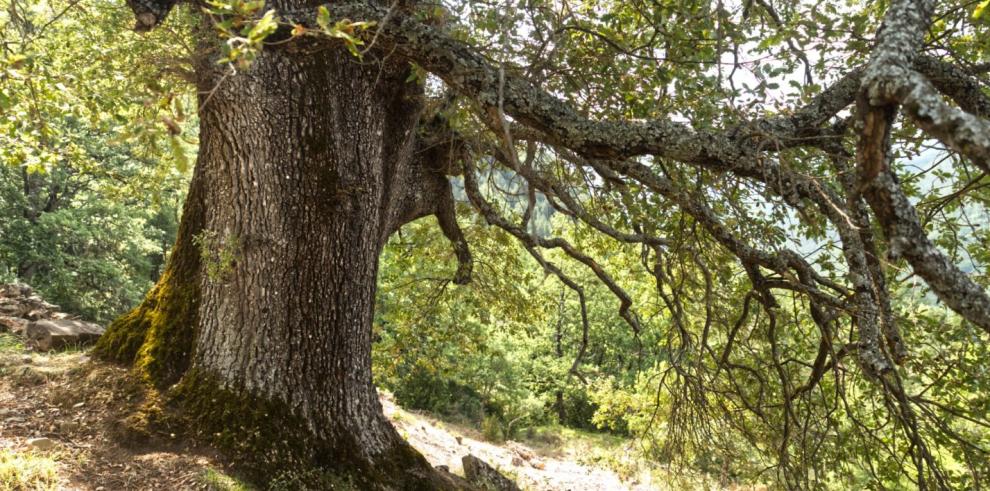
point(323, 17)
point(980, 9)
point(179, 154)
point(263, 28)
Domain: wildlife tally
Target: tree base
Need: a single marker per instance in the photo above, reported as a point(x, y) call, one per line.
point(266, 444)
point(275, 446)
point(157, 336)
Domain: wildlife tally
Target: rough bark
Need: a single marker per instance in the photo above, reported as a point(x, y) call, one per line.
point(890, 79)
point(307, 163)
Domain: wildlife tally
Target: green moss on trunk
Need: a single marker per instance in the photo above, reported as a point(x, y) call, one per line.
point(157, 336)
point(274, 447)
point(263, 435)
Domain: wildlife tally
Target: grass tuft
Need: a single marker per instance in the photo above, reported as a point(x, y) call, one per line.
point(27, 471)
point(9, 343)
point(216, 480)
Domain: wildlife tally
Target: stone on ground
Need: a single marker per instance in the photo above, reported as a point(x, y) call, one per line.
point(15, 325)
point(41, 444)
point(479, 473)
point(46, 335)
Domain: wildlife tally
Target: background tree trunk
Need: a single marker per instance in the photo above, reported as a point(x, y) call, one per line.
point(303, 162)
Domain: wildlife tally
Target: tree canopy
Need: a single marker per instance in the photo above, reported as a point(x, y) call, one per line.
point(751, 234)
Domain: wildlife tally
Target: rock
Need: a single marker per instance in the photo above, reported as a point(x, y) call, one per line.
point(19, 305)
point(19, 300)
point(517, 460)
point(42, 444)
point(68, 426)
point(11, 307)
point(443, 468)
point(520, 450)
point(16, 290)
point(46, 335)
point(479, 473)
point(13, 324)
point(459, 440)
point(536, 464)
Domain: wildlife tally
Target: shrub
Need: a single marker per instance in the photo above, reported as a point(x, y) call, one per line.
point(425, 391)
point(491, 429)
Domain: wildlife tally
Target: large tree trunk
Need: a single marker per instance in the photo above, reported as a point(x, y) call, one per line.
point(264, 313)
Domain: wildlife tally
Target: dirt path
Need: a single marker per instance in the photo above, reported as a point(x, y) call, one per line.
point(77, 411)
point(531, 468)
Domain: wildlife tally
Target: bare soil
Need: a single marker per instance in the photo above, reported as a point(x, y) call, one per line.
point(83, 407)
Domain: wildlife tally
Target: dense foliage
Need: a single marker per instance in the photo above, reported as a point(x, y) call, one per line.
point(713, 379)
point(721, 365)
point(90, 185)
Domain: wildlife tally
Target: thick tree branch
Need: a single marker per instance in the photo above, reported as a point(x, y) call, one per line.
point(422, 188)
point(955, 82)
point(475, 77)
point(889, 80)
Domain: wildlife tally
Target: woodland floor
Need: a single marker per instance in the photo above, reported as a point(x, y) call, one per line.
point(82, 408)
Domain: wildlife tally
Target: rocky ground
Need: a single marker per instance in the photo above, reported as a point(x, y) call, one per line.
point(64, 415)
point(549, 465)
point(40, 324)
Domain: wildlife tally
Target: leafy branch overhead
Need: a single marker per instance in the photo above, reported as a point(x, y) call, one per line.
point(244, 28)
point(784, 205)
point(737, 149)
